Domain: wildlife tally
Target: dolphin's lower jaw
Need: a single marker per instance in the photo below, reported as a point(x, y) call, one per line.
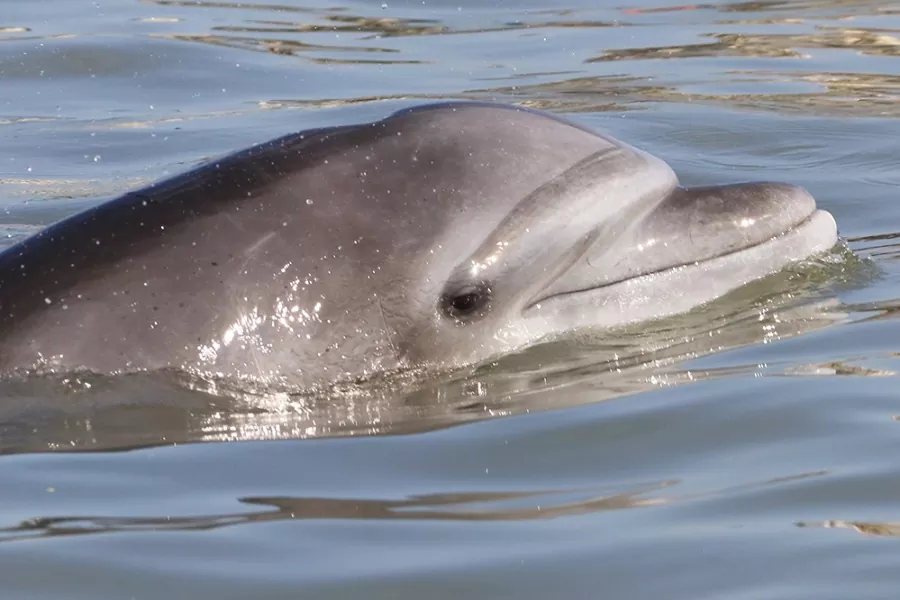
point(683, 287)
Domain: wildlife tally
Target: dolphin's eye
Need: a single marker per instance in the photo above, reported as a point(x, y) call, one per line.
point(466, 302)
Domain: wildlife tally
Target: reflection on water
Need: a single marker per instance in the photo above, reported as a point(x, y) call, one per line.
point(767, 45)
point(336, 36)
point(458, 506)
point(293, 48)
point(868, 93)
point(873, 529)
point(433, 507)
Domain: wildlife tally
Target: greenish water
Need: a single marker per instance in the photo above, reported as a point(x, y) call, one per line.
point(744, 451)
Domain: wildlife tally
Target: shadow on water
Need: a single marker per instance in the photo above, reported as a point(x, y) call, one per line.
point(83, 412)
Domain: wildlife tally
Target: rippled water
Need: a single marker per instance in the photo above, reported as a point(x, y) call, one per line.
point(747, 450)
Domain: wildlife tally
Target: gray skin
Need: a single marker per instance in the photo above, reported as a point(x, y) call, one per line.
point(440, 236)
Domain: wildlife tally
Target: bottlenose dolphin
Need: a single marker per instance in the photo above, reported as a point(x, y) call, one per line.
point(440, 236)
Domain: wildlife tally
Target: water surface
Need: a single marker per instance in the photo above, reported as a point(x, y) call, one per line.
point(743, 451)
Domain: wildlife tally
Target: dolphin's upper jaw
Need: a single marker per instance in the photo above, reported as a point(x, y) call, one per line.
point(761, 226)
point(693, 225)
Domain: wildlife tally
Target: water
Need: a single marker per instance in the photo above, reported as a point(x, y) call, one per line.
point(745, 451)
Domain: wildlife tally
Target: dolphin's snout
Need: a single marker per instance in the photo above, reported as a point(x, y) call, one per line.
point(698, 224)
point(724, 219)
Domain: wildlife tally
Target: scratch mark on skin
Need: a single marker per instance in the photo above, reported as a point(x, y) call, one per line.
point(249, 252)
point(387, 331)
point(254, 249)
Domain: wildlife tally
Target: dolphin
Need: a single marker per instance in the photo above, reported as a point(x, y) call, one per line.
point(440, 236)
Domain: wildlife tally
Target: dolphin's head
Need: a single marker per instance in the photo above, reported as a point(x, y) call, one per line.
point(516, 226)
point(443, 235)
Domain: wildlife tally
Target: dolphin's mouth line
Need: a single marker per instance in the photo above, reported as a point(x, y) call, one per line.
point(808, 221)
